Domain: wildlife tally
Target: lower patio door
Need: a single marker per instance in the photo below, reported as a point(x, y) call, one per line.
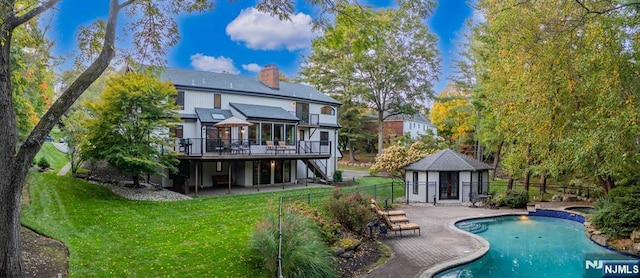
point(282, 171)
point(265, 172)
point(449, 185)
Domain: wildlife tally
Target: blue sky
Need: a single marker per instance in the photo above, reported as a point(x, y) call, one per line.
point(237, 39)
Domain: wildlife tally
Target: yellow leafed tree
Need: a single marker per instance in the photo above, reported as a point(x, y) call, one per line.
point(453, 114)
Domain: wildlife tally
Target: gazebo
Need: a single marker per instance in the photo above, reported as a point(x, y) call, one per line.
point(446, 177)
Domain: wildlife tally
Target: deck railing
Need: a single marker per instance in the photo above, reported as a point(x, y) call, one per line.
point(203, 146)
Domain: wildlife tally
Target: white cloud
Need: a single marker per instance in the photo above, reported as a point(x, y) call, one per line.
point(264, 32)
point(253, 67)
point(203, 62)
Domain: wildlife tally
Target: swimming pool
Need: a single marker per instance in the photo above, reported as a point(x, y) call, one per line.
point(530, 246)
point(585, 209)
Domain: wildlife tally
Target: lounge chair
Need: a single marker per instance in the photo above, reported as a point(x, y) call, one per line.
point(389, 213)
point(393, 219)
point(398, 227)
point(282, 146)
point(271, 146)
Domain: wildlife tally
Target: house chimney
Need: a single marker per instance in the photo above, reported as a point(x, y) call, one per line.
point(270, 76)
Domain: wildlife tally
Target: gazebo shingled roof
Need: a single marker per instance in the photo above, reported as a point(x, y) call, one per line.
point(447, 160)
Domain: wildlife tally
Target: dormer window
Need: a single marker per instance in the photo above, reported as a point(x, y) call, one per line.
point(327, 110)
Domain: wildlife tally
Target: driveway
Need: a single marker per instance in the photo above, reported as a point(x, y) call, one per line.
point(350, 174)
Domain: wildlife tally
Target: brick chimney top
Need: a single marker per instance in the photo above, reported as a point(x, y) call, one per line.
point(270, 76)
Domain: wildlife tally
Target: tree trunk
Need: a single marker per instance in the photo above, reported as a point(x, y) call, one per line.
point(352, 152)
point(606, 183)
point(14, 165)
point(11, 194)
point(380, 132)
point(510, 184)
point(479, 151)
point(543, 183)
point(136, 181)
point(11, 182)
point(527, 175)
point(496, 161)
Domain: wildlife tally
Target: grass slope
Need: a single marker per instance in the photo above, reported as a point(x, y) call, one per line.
point(109, 236)
point(56, 158)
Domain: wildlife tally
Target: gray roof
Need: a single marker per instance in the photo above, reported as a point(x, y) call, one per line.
point(330, 125)
point(419, 118)
point(447, 160)
point(261, 112)
point(243, 85)
point(188, 116)
point(205, 115)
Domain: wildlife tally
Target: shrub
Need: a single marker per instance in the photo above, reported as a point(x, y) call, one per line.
point(337, 176)
point(329, 230)
point(618, 214)
point(514, 199)
point(43, 163)
point(303, 253)
point(352, 211)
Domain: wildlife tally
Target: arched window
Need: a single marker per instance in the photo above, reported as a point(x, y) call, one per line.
point(327, 110)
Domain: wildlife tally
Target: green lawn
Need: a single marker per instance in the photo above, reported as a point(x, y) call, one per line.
point(109, 236)
point(353, 168)
point(56, 158)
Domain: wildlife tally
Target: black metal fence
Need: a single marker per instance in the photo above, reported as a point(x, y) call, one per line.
point(545, 192)
point(387, 192)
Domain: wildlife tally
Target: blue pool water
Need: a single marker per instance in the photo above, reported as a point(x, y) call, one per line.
point(530, 246)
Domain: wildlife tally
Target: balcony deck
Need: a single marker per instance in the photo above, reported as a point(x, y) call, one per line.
point(216, 149)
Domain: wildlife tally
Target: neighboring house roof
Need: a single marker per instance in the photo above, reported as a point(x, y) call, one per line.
point(418, 118)
point(212, 116)
point(447, 160)
point(243, 85)
point(261, 112)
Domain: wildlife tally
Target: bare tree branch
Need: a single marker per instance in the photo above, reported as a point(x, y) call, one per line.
point(126, 3)
point(17, 21)
point(605, 11)
point(69, 96)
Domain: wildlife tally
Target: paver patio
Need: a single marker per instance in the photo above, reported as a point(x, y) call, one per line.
point(441, 245)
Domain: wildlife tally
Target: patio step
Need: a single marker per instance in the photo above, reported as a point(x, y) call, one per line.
point(475, 228)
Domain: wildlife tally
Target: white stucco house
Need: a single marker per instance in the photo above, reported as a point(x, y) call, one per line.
point(285, 131)
point(446, 177)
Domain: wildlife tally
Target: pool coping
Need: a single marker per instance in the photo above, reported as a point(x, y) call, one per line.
point(431, 271)
point(485, 244)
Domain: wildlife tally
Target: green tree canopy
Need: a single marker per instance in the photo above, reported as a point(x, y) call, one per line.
point(385, 59)
point(131, 125)
point(559, 80)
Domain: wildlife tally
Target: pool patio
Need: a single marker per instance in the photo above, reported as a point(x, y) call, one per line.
point(441, 245)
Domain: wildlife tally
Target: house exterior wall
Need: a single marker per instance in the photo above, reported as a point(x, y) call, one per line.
point(331, 163)
point(416, 129)
point(465, 179)
point(420, 192)
point(428, 187)
point(394, 128)
point(243, 175)
point(434, 184)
